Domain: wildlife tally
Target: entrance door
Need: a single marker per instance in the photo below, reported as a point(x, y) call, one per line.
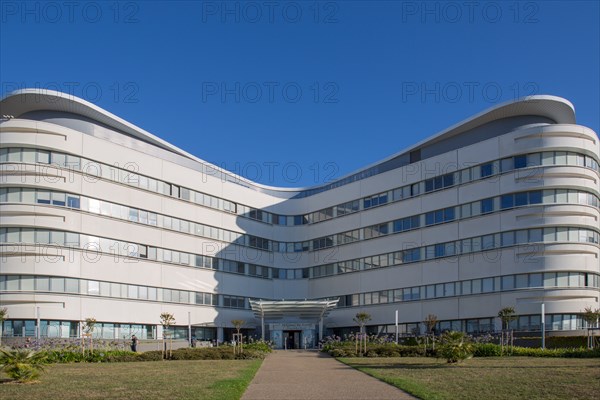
point(292, 339)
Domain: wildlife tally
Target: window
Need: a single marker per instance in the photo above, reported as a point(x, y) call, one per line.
point(58, 199)
point(43, 157)
point(487, 285)
point(487, 205)
point(233, 301)
point(507, 201)
point(507, 164)
point(521, 199)
point(73, 201)
point(347, 208)
point(535, 197)
point(520, 161)
point(449, 214)
point(43, 197)
point(300, 219)
point(376, 231)
point(439, 182)
point(508, 282)
point(486, 170)
point(376, 200)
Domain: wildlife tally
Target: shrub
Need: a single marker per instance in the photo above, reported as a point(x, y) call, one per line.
point(64, 356)
point(21, 364)
point(259, 345)
point(154, 355)
point(70, 356)
point(487, 350)
point(216, 353)
point(553, 342)
point(566, 353)
point(410, 341)
point(411, 351)
point(208, 353)
point(455, 347)
point(251, 354)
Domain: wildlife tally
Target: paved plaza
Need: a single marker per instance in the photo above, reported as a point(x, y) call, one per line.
point(310, 375)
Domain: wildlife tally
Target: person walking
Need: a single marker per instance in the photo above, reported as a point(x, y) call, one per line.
point(134, 343)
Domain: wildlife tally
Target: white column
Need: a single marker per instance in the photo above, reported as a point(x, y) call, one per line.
point(543, 326)
point(396, 326)
point(189, 329)
point(220, 334)
point(38, 328)
point(321, 329)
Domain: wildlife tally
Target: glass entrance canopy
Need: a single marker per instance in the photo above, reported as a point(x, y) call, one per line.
point(293, 310)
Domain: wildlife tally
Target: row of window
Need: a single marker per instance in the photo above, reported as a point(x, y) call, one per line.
point(459, 247)
point(72, 329)
point(107, 330)
point(545, 280)
point(489, 205)
point(94, 248)
point(127, 174)
point(463, 211)
point(59, 284)
point(131, 177)
point(41, 196)
point(462, 176)
point(554, 322)
point(548, 280)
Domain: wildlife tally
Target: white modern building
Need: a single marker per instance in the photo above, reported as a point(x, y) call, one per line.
point(102, 219)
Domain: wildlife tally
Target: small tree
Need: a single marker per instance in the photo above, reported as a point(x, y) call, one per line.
point(590, 316)
point(21, 364)
point(88, 327)
point(166, 320)
point(3, 317)
point(238, 339)
point(430, 323)
point(506, 315)
point(455, 347)
point(361, 319)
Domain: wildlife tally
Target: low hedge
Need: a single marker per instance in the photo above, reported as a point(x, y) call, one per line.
point(380, 350)
point(494, 350)
point(68, 356)
point(204, 353)
point(487, 350)
point(347, 349)
point(553, 342)
point(566, 353)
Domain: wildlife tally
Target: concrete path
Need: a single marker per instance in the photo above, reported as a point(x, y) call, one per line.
point(311, 375)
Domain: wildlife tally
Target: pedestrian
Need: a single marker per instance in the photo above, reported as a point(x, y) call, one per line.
point(134, 343)
point(193, 341)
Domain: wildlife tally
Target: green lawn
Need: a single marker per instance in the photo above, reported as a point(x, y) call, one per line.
point(488, 378)
point(222, 379)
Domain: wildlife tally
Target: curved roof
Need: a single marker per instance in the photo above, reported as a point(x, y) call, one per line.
point(300, 309)
point(19, 102)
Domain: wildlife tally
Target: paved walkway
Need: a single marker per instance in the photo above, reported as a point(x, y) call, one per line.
point(311, 375)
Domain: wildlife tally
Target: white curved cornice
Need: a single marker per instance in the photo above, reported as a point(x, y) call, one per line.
point(23, 101)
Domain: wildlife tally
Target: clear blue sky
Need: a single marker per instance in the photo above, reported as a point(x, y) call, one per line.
point(327, 87)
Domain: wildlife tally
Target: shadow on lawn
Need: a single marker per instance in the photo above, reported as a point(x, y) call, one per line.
point(399, 365)
point(463, 365)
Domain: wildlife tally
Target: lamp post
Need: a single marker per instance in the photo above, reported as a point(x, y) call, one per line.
point(189, 329)
point(396, 326)
point(543, 326)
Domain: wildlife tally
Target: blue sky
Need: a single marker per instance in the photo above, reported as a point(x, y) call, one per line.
point(295, 93)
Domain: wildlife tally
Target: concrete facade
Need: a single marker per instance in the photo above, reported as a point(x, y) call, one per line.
point(100, 218)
